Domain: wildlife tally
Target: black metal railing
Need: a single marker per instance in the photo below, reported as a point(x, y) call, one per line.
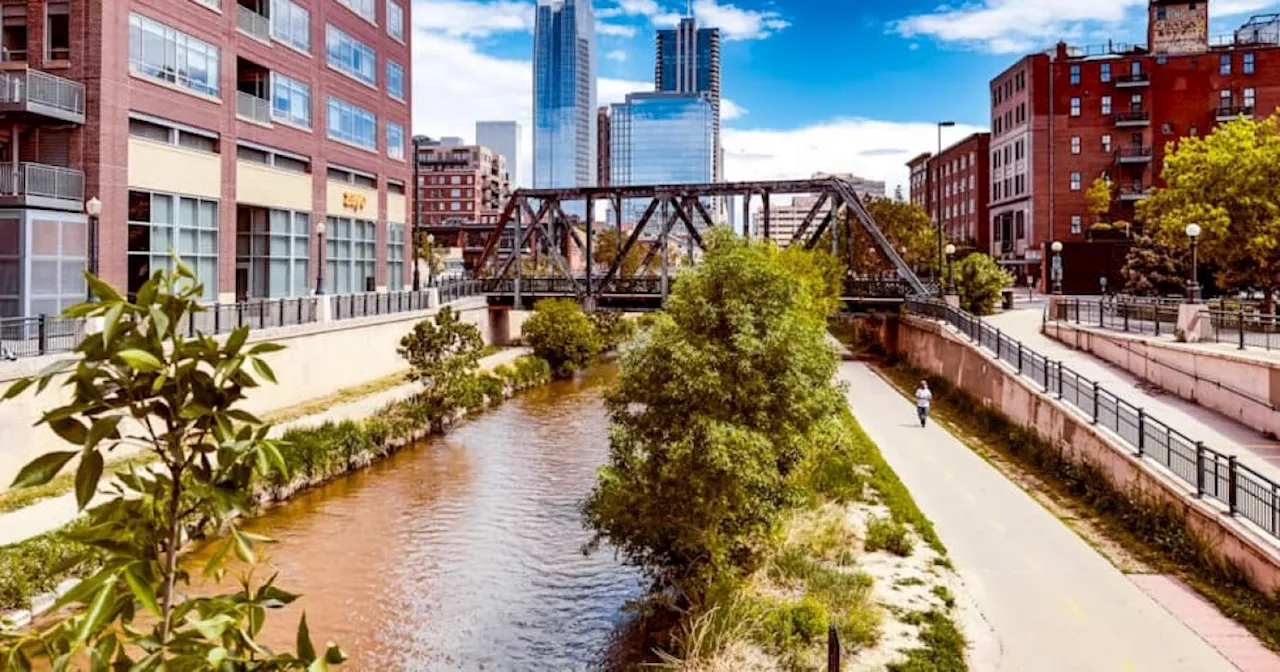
point(640, 286)
point(1245, 328)
point(1217, 476)
point(224, 318)
point(370, 304)
point(37, 336)
point(1234, 322)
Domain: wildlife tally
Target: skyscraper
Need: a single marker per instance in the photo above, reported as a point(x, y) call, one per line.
point(688, 61)
point(504, 138)
point(661, 138)
point(564, 94)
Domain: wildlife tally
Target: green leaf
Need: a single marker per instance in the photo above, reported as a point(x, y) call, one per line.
point(87, 477)
point(306, 650)
point(265, 348)
point(40, 470)
point(97, 614)
point(264, 370)
point(216, 656)
point(244, 548)
point(140, 360)
point(335, 655)
point(71, 430)
point(236, 340)
point(18, 387)
point(105, 293)
point(103, 428)
point(143, 592)
point(219, 556)
point(160, 320)
point(110, 323)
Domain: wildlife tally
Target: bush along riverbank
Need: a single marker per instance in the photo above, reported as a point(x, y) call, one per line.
point(444, 355)
point(739, 483)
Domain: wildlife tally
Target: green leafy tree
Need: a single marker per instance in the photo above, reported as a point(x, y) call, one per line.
point(444, 355)
point(979, 280)
point(1099, 196)
point(718, 407)
point(907, 227)
point(604, 252)
point(141, 383)
point(1227, 183)
point(612, 328)
point(431, 253)
point(1152, 269)
point(559, 332)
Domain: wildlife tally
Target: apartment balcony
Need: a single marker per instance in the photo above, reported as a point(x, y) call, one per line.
point(1133, 118)
point(1134, 155)
point(39, 94)
point(253, 22)
point(1133, 80)
point(36, 185)
point(253, 108)
point(1226, 113)
point(1135, 192)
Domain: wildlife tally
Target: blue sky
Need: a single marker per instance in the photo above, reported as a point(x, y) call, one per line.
point(812, 85)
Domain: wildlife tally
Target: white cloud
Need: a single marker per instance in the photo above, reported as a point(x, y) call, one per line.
point(617, 55)
point(614, 29)
point(458, 18)
point(639, 7)
point(1233, 7)
point(730, 110)
point(736, 23)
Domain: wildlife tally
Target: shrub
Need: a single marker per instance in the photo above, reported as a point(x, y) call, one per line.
point(979, 280)
point(444, 354)
point(559, 332)
point(491, 387)
point(36, 565)
point(530, 370)
point(885, 534)
point(612, 328)
point(794, 624)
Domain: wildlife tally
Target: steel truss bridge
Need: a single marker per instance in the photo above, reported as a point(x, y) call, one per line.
point(534, 226)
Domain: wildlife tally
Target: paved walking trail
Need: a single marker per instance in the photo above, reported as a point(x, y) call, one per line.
point(1052, 602)
point(1198, 423)
point(50, 514)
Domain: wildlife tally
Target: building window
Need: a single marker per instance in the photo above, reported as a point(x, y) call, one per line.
point(1075, 223)
point(1106, 144)
point(1106, 104)
point(1020, 227)
point(291, 24)
point(1224, 64)
point(1075, 181)
point(190, 138)
point(350, 55)
point(395, 257)
point(364, 8)
point(1248, 65)
point(1135, 102)
point(1248, 100)
point(350, 247)
point(996, 188)
point(290, 100)
point(1104, 72)
point(1075, 107)
point(1075, 74)
point(275, 244)
point(1019, 184)
point(395, 140)
point(395, 80)
point(13, 31)
point(1075, 144)
point(160, 52)
point(163, 223)
point(1224, 101)
point(1166, 128)
point(351, 123)
point(58, 27)
point(395, 21)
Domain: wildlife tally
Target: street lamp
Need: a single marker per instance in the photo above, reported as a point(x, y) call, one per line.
point(938, 190)
point(431, 241)
point(1193, 288)
point(951, 275)
point(93, 208)
point(1056, 271)
point(320, 258)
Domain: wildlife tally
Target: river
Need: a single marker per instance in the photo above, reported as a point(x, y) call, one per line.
point(463, 553)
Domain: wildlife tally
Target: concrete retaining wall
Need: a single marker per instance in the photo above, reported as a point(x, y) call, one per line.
point(1244, 389)
point(930, 346)
point(318, 360)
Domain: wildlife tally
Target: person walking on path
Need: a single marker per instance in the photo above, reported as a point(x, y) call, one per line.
point(923, 398)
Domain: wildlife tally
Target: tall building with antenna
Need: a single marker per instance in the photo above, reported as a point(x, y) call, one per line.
point(688, 61)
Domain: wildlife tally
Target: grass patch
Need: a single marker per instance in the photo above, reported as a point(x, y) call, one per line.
point(37, 565)
point(1149, 529)
point(889, 535)
point(943, 649)
point(12, 500)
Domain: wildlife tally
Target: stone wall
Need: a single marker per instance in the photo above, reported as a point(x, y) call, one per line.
point(1245, 389)
point(930, 346)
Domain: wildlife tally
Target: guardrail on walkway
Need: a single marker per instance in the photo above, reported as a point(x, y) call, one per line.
point(1236, 323)
point(1245, 492)
point(40, 335)
point(350, 306)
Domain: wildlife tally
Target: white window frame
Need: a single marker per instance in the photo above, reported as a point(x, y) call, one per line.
point(399, 69)
point(359, 117)
point(341, 51)
point(281, 29)
point(294, 86)
point(395, 21)
point(1075, 107)
point(395, 150)
point(1075, 144)
point(174, 41)
point(365, 9)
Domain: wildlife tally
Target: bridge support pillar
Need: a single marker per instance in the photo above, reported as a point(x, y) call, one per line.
point(499, 326)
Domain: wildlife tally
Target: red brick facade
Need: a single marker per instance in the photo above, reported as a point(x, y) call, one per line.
point(467, 183)
point(960, 177)
point(100, 59)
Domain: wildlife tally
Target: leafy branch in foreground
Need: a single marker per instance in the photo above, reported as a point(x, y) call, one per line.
point(139, 383)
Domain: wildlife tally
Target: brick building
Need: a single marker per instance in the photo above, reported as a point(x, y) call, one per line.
point(959, 177)
point(1061, 120)
point(461, 192)
point(226, 130)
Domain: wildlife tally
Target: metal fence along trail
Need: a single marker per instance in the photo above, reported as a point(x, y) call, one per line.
point(1214, 475)
point(1233, 322)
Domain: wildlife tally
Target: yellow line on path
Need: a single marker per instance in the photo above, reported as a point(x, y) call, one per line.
point(1128, 666)
point(1075, 610)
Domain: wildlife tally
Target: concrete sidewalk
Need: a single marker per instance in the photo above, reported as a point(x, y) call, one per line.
point(55, 512)
point(1198, 423)
point(1052, 602)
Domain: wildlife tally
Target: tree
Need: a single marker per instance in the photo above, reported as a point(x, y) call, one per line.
point(1229, 183)
point(1151, 269)
point(444, 355)
point(141, 383)
point(431, 253)
point(604, 252)
point(979, 281)
point(718, 407)
point(559, 332)
point(907, 227)
point(1099, 196)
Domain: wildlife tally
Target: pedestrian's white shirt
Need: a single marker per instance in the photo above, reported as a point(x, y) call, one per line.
point(923, 397)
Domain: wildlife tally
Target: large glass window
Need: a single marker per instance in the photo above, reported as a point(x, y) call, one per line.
point(291, 24)
point(351, 55)
point(163, 223)
point(290, 100)
point(365, 8)
point(395, 20)
point(395, 257)
point(395, 140)
point(395, 80)
point(169, 55)
point(350, 123)
point(349, 255)
point(273, 247)
point(1249, 63)
point(58, 30)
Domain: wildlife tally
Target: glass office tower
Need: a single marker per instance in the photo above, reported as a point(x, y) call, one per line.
point(688, 61)
point(564, 94)
point(662, 138)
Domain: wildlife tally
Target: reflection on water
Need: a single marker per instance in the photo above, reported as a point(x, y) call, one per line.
point(463, 553)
